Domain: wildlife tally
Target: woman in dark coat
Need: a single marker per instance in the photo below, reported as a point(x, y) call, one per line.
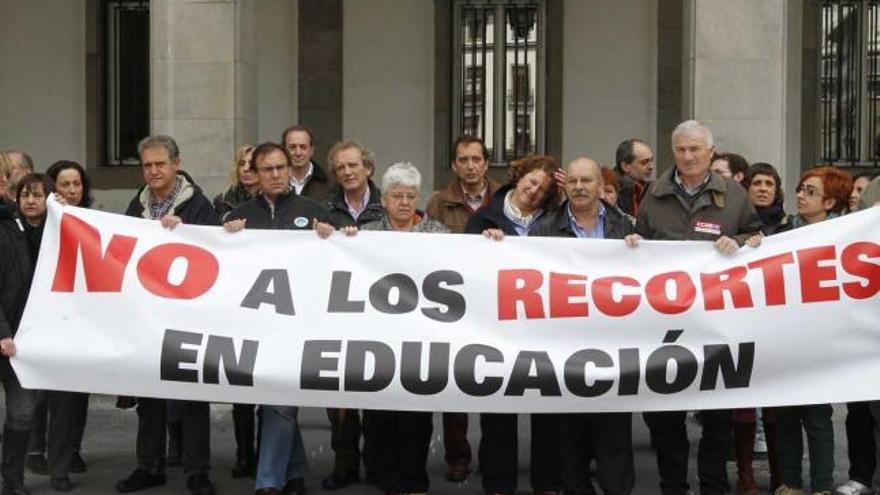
point(514, 210)
point(243, 183)
point(60, 406)
point(70, 181)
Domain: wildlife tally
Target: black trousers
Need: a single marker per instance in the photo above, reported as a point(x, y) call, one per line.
point(64, 414)
point(345, 439)
point(458, 450)
point(195, 419)
point(606, 437)
point(399, 442)
point(72, 410)
point(860, 442)
point(670, 441)
point(498, 458)
point(245, 429)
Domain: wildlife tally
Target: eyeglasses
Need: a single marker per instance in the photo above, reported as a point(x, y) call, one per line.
point(809, 191)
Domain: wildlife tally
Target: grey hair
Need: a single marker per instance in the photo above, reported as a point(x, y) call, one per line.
point(692, 127)
point(160, 141)
point(26, 160)
point(403, 174)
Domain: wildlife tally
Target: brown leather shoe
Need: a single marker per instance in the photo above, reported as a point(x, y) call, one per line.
point(457, 473)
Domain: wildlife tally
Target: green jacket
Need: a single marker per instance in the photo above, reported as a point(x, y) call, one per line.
point(720, 208)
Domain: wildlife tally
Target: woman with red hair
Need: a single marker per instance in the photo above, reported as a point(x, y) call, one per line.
point(822, 194)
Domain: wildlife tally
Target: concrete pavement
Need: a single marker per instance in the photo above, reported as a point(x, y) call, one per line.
point(109, 451)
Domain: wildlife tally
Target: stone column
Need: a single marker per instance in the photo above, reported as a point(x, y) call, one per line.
point(742, 76)
point(203, 87)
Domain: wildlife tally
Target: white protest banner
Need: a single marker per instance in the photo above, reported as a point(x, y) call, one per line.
point(452, 322)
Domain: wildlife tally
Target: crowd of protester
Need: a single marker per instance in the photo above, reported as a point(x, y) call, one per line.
point(281, 186)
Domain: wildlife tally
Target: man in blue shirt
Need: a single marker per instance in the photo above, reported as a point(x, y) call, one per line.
point(607, 437)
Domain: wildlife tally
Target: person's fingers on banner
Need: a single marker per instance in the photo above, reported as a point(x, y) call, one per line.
point(632, 240)
point(324, 230)
point(494, 234)
point(171, 221)
point(726, 246)
point(7, 347)
point(233, 226)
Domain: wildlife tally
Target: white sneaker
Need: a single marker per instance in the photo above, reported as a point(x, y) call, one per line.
point(853, 487)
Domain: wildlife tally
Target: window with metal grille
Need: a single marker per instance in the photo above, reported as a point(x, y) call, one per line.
point(849, 82)
point(498, 88)
point(127, 72)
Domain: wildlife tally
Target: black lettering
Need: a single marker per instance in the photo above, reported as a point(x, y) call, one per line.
point(576, 373)
point(658, 362)
point(340, 286)
point(239, 371)
point(465, 370)
point(543, 380)
point(408, 294)
point(173, 354)
point(433, 291)
point(411, 368)
point(355, 366)
point(280, 297)
point(630, 372)
point(314, 362)
point(718, 358)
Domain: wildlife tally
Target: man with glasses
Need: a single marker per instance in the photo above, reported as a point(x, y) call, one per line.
point(282, 459)
point(635, 165)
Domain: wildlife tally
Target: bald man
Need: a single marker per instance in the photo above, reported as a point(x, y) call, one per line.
point(606, 437)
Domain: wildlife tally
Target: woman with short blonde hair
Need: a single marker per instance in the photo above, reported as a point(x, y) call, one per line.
point(243, 183)
point(5, 169)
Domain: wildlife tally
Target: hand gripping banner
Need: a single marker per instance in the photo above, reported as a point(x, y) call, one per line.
point(386, 320)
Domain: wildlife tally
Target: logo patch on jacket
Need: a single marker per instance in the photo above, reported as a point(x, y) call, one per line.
point(301, 222)
point(707, 227)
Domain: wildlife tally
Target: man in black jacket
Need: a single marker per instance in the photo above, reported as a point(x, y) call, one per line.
point(607, 437)
point(171, 197)
point(356, 201)
point(635, 165)
point(16, 271)
point(282, 458)
point(307, 177)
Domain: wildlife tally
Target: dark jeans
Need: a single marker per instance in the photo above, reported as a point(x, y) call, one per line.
point(670, 441)
point(245, 429)
point(606, 437)
point(70, 410)
point(153, 414)
point(860, 442)
point(399, 443)
point(458, 450)
point(499, 447)
point(345, 438)
point(790, 424)
point(20, 403)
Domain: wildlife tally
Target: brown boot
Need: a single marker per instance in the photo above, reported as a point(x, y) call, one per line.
point(744, 441)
